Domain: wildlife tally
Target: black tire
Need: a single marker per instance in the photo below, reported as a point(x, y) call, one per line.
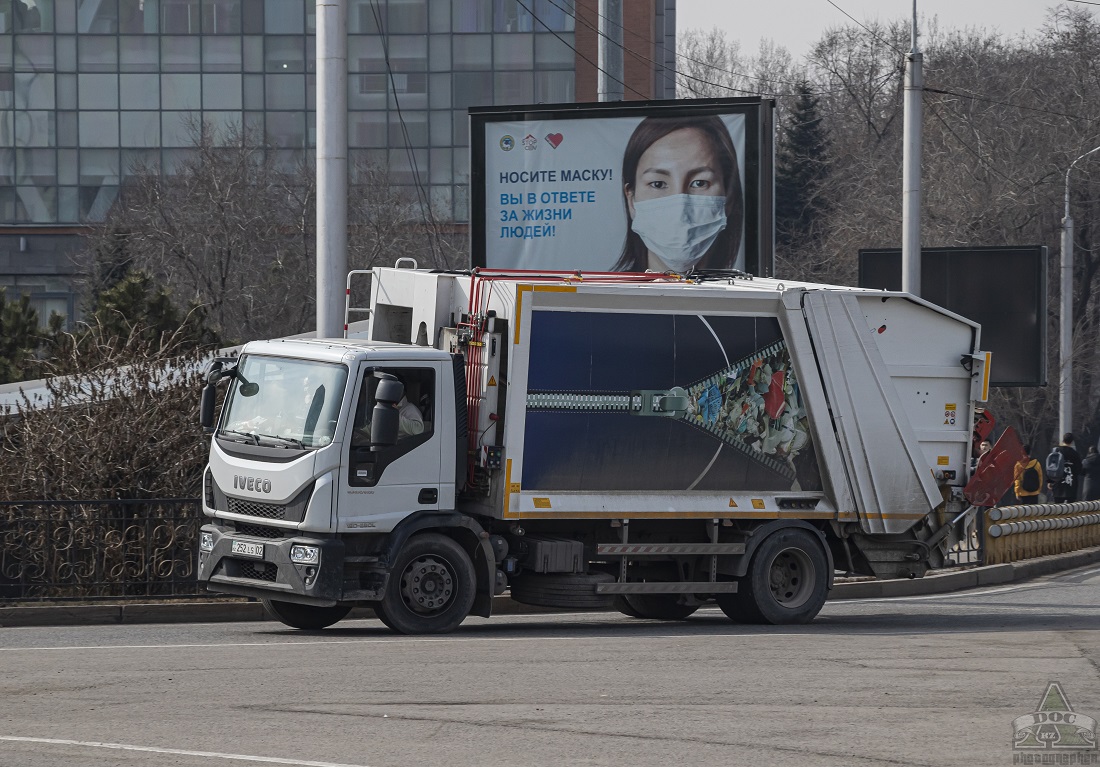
point(663, 607)
point(623, 606)
point(431, 587)
point(738, 606)
point(787, 581)
point(306, 617)
point(569, 591)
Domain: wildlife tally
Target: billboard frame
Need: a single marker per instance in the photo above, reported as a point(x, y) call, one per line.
point(759, 161)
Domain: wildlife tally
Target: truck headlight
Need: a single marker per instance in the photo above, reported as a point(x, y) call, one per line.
point(206, 541)
point(305, 555)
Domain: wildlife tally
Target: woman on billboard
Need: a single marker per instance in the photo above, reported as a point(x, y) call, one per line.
point(682, 190)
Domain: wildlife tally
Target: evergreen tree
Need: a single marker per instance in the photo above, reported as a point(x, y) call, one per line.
point(802, 167)
point(19, 339)
point(136, 303)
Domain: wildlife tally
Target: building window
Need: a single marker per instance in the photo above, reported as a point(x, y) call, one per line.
point(284, 54)
point(510, 16)
point(221, 17)
point(138, 17)
point(407, 17)
point(139, 54)
point(179, 17)
point(98, 17)
point(284, 17)
point(29, 16)
point(473, 52)
point(472, 15)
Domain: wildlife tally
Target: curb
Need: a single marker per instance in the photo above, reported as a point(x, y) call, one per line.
point(990, 575)
point(237, 611)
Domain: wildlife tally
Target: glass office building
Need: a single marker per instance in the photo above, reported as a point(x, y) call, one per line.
point(88, 88)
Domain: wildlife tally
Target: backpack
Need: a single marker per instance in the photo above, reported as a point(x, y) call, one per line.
point(1029, 480)
point(1056, 466)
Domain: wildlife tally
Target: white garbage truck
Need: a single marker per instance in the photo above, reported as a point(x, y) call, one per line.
point(647, 442)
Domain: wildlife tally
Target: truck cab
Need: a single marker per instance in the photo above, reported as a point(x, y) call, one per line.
point(301, 494)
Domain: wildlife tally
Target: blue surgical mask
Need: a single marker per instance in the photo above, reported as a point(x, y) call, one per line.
point(680, 228)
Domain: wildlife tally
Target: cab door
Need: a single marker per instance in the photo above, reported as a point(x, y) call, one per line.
point(379, 488)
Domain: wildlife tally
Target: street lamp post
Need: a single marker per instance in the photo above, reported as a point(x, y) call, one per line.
point(1065, 384)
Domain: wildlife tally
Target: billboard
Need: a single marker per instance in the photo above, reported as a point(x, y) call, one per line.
point(1003, 289)
point(623, 186)
point(672, 402)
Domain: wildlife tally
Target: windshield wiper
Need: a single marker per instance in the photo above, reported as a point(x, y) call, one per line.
point(288, 440)
point(251, 438)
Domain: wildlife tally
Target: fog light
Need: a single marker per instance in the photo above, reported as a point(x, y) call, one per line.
point(206, 541)
point(305, 555)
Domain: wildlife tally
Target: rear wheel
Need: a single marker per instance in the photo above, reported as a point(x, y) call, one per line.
point(665, 607)
point(787, 581)
point(623, 606)
point(306, 617)
point(431, 588)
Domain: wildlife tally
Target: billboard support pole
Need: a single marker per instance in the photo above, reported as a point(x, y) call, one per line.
point(332, 166)
point(911, 190)
point(1065, 361)
point(611, 50)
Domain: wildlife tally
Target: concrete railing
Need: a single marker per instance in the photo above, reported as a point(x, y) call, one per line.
point(1013, 533)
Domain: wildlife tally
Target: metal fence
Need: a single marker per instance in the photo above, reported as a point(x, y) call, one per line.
point(1022, 532)
point(969, 549)
point(119, 549)
point(77, 550)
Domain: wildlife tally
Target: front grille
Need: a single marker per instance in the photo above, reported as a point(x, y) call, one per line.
point(260, 571)
point(258, 531)
point(253, 509)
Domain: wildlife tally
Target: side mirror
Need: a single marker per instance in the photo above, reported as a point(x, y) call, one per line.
point(390, 391)
point(206, 407)
point(385, 422)
point(385, 417)
point(219, 368)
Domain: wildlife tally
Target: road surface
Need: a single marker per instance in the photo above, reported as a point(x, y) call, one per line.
point(934, 680)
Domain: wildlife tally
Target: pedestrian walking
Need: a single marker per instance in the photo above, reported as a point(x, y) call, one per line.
point(1090, 468)
point(1063, 470)
point(1028, 476)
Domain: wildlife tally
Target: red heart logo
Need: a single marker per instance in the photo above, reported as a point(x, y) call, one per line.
point(553, 139)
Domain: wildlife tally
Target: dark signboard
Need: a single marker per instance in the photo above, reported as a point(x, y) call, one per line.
point(1004, 289)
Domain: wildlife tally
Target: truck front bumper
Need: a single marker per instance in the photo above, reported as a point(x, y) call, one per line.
point(272, 574)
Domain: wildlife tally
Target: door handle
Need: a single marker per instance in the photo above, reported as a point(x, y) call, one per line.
point(428, 495)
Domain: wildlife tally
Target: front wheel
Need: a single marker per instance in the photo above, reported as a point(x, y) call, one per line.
point(431, 587)
point(787, 581)
point(306, 617)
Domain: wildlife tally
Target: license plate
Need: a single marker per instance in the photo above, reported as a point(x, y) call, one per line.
point(246, 549)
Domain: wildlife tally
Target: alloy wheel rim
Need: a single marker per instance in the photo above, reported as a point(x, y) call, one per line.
point(427, 584)
point(791, 578)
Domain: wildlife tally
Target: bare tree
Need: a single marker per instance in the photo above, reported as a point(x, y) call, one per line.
point(387, 223)
point(1003, 120)
point(711, 65)
point(224, 228)
point(230, 229)
point(120, 421)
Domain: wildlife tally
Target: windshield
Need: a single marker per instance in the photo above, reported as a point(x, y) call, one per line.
point(275, 401)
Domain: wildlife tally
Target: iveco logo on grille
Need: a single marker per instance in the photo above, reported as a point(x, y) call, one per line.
point(255, 484)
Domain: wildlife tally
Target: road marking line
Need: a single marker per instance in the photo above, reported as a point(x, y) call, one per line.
point(175, 752)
